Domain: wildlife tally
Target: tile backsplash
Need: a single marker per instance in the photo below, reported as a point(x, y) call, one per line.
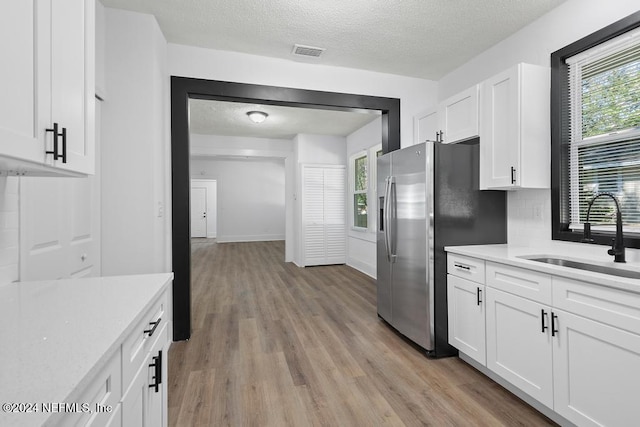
point(529, 213)
point(9, 229)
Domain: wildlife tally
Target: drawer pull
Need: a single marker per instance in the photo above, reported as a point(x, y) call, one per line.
point(464, 267)
point(157, 374)
point(153, 325)
point(543, 316)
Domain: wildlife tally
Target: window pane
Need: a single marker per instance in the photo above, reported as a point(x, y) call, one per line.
point(360, 171)
point(611, 93)
point(378, 153)
point(360, 210)
point(612, 167)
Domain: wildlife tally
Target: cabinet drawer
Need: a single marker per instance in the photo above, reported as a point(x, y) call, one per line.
point(100, 398)
point(143, 337)
point(522, 282)
point(614, 307)
point(466, 267)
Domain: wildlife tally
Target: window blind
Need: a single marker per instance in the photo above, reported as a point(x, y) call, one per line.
point(604, 146)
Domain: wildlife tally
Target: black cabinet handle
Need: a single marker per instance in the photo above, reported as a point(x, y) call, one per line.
point(543, 316)
point(157, 374)
point(554, 320)
point(513, 175)
point(479, 296)
point(464, 267)
point(153, 325)
point(56, 135)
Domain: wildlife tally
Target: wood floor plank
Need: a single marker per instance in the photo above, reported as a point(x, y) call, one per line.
point(277, 345)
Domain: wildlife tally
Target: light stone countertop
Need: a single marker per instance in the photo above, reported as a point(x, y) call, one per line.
point(593, 254)
point(55, 335)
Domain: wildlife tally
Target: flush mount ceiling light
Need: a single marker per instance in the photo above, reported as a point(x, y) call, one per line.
point(257, 116)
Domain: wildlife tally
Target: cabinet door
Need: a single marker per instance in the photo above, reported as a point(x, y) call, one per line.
point(466, 307)
point(134, 400)
point(73, 80)
point(596, 376)
point(426, 126)
point(519, 347)
point(58, 228)
point(499, 138)
point(334, 216)
point(19, 134)
point(458, 116)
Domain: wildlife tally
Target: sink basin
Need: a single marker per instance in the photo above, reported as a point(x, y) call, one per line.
point(596, 268)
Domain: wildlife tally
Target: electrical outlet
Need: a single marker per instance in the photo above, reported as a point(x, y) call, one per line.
point(537, 212)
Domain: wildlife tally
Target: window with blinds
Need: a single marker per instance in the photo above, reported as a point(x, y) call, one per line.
point(604, 146)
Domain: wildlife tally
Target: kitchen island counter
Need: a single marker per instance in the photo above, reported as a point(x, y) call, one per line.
point(57, 335)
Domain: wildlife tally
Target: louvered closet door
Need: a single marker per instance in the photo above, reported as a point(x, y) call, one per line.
point(334, 216)
point(313, 215)
point(323, 215)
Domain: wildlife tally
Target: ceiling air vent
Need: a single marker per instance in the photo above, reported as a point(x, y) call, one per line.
point(308, 51)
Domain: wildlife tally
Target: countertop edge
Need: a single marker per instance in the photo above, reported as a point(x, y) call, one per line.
point(510, 255)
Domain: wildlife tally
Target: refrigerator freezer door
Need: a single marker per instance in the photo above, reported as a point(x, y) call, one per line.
point(383, 264)
point(409, 293)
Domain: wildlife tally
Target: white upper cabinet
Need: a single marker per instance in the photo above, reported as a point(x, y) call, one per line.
point(458, 116)
point(515, 130)
point(47, 108)
point(453, 120)
point(426, 126)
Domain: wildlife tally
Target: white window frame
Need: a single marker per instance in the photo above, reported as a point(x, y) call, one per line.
point(352, 187)
point(370, 191)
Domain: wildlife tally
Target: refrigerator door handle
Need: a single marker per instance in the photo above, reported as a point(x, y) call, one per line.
point(390, 214)
point(385, 226)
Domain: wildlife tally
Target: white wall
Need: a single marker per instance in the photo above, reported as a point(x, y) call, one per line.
point(251, 197)
point(9, 230)
point(361, 245)
point(135, 176)
point(414, 94)
point(534, 44)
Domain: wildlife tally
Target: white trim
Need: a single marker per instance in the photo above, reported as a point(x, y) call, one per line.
point(363, 267)
point(250, 238)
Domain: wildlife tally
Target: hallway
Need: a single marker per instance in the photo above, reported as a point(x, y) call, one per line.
point(278, 345)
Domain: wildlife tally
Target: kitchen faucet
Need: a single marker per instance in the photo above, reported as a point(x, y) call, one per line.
point(617, 244)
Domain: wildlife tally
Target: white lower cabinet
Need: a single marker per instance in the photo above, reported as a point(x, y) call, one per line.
point(575, 351)
point(142, 404)
point(519, 346)
point(596, 375)
point(131, 390)
point(466, 308)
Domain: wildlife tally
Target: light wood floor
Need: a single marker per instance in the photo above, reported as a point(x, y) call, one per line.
point(278, 345)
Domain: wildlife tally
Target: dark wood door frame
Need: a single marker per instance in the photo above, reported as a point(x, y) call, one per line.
point(184, 88)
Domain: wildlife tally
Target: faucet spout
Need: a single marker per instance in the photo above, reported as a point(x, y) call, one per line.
point(617, 244)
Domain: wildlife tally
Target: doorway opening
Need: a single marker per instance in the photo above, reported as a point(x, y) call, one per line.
point(204, 208)
point(182, 90)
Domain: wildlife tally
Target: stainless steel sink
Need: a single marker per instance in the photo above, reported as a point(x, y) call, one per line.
point(596, 268)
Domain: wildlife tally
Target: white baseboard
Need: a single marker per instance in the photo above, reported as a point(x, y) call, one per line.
point(366, 268)
point(250, 238)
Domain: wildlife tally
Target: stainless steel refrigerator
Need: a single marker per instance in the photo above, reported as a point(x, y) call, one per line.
point(429, 198)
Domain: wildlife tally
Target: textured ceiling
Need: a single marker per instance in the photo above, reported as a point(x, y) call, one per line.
point(419, 38)
point(230, 119)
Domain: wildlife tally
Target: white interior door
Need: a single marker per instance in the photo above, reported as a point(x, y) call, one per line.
point(198, 212)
